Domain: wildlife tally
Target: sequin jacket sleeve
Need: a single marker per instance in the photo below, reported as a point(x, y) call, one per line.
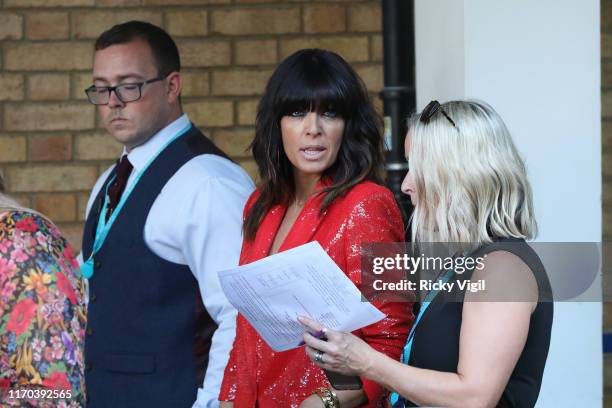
point(42, 312)
point(376, 218)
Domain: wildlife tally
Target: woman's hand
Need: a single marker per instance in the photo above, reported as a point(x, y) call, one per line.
point(226, 404)
point(344, 353)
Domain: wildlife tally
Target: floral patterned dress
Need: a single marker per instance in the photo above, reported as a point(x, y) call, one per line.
point(42, 315)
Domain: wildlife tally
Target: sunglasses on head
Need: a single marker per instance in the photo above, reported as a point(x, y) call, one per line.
point(431, 109)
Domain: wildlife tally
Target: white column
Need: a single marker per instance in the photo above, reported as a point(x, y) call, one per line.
point(538, 65)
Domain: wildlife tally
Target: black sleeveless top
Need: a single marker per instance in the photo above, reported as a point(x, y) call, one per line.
point(436, 340)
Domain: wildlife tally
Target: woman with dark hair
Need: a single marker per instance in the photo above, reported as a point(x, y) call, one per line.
point(318, 148)
point(42, 312)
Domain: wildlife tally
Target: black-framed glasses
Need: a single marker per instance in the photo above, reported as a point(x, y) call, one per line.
point(128, 92)
point(431, 109)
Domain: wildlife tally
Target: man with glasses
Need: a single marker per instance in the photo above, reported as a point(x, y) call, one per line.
point(160, 224)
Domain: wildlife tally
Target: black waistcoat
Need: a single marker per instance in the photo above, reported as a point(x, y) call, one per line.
point(148, 334)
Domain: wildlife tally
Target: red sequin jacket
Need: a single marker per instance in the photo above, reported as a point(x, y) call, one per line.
point(255, 374)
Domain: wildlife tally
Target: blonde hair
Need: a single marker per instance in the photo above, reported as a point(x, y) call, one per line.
point(470, 181)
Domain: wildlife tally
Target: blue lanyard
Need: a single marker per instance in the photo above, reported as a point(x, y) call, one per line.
point(103, 226)
point(396, 400)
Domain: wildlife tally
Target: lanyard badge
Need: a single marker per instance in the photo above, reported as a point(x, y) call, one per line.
point(103, 226)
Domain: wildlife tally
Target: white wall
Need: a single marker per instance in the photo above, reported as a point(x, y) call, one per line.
point(538, 65)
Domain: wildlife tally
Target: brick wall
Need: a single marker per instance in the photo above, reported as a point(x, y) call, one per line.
point(52, 145)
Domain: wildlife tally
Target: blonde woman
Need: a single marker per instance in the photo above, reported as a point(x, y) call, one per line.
point(42, 312)
point(468, 185)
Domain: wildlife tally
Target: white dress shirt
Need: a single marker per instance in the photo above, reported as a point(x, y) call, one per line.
point(197, 221)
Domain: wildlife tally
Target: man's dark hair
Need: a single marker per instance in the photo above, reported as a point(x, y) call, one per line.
point(162, 46)
point(314, 80)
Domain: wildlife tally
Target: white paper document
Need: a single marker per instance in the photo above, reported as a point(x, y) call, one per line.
point(304, 281)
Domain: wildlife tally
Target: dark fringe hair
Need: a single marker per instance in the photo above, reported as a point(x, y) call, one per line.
point(314, 80)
